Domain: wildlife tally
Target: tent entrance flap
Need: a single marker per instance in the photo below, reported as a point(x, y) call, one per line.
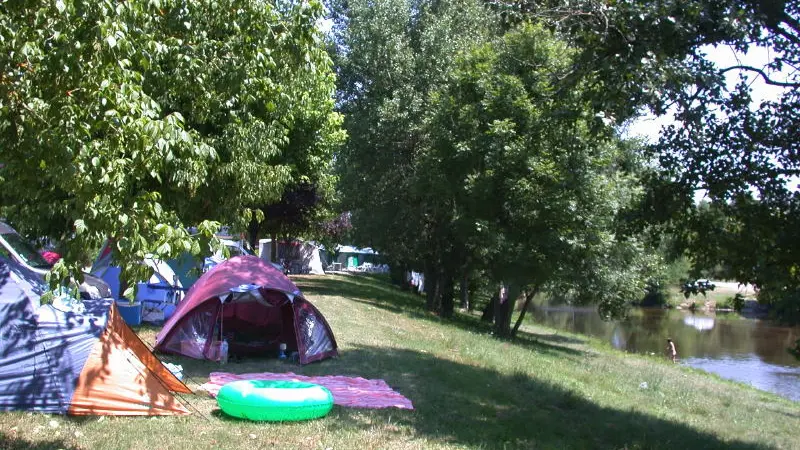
point(257, 324)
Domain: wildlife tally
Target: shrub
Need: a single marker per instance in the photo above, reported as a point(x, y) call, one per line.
point(655, 295)
point(737, 302)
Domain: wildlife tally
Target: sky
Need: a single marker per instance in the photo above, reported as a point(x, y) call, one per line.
point(648, 126)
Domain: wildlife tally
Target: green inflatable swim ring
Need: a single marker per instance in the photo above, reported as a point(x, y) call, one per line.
point(274, 400)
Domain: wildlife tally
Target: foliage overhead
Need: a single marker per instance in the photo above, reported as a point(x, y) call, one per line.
point(389, 56)
point(133, 120)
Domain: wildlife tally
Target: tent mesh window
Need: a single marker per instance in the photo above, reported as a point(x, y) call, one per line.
point(312, 331)
point(191, 335)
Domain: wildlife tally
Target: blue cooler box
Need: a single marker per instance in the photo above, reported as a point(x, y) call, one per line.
point(131, 312)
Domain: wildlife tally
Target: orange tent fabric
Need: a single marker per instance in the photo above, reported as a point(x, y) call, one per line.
point(122, 377)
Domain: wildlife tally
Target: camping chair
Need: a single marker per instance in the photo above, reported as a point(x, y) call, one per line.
point(155, 296)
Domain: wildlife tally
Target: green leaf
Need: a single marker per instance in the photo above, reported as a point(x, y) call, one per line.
point(80, 226)
point(164, 249)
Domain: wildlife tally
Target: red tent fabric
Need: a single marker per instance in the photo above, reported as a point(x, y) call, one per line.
point(252, 306)
point(50, 256)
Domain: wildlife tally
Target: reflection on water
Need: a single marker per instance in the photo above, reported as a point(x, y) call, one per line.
point(746, 350)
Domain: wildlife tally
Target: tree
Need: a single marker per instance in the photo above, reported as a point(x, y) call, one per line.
point(654, 55)
point(335, 230)
point(260, 90)
point(390, 56)
point(536, 173)
point(131, 120)
point(480, 156)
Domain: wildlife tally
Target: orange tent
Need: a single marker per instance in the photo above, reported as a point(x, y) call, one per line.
point(58, 360)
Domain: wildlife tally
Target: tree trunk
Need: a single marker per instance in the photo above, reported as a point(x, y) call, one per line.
point(488, 311)
point(438, 285)
point(431, 284)
point(528, 297)
point(504, 310)
point(273, 248)
point(448, 296)
point(397, 274)
point(472, 289)
point(465, 291)
point(252, 234)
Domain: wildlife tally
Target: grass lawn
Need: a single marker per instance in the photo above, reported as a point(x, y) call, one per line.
point(546, 389)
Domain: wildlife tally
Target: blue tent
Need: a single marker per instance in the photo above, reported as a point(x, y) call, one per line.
point(58, 359)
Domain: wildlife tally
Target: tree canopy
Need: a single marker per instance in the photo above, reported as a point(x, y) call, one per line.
point(436, 145)
point(135, 120)
point(492, 162)
point(656, 56)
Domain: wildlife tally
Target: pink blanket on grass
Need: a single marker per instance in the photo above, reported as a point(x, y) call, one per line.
point(353, 392)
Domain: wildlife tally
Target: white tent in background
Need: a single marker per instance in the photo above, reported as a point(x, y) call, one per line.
point(351, 257)
point(351, 249)
point(301, 256)
point(313, 258)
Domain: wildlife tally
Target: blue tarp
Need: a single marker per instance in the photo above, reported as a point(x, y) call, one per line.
point(42, 350)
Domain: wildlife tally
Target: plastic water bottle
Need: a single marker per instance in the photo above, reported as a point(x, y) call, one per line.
point(282, 351)
point(223, 352)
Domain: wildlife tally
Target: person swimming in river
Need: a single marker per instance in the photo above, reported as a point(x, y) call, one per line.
point(671, 352)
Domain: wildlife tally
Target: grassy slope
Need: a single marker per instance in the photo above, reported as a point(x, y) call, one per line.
point(545, 390)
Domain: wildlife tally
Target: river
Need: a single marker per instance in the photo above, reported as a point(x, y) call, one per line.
point(747, 350)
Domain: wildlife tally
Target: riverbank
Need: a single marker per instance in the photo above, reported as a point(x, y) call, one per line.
point(548, 389)
point(720, 299)
point(752, 351)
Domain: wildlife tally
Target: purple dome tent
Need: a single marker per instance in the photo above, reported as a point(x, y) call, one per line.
point(252, 306)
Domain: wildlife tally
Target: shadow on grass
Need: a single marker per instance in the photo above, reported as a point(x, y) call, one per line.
point(474, 406)
point(375, 290)
point(556, 338)
point(10, 442)
point(468, 405)
point(219, 415)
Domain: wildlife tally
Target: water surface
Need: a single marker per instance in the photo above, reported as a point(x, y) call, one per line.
point(747, 350)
